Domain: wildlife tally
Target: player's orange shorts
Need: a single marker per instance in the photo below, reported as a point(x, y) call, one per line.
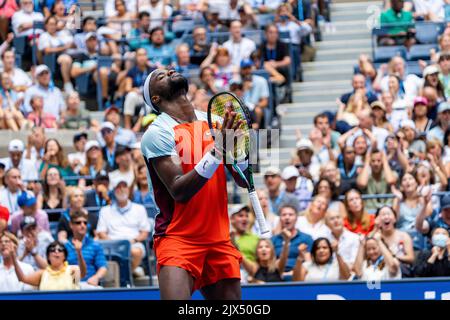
point(206, 263)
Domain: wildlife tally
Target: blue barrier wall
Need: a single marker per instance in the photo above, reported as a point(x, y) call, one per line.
point(416, 289)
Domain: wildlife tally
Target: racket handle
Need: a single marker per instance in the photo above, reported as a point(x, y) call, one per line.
point(258, 212)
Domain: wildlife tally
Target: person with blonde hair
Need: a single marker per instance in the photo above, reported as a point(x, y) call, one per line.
point(312, 222)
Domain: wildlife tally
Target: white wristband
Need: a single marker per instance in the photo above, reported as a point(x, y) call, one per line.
point(207, 166)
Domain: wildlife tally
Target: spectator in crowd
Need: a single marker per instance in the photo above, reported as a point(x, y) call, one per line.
point(110, 7)
point(94, 163)
point(38, 117)
point(431, 79)
point(16, 160)
point(20, 79)
point(323, 153)
point(28, 208)
point(88, 24)
point(99, 195)
point(396, 157)
point(322, 122)
point(420, 115)
point(431, 176)
point(275, 55)
point(435, 262)
point(208, 82)
point(308, 166)
point(77, 159)
point(13, 188)
point(2, 174)
point(247, 18)
point(10, 101)
point(265, 6)
point(124, 136)
point(182, 63)
point(118, 24)
point(272, 219)
point(443, 121)
point(326, 264)
point(379, 116)
point(125, 168)
point(357, 219)
point(312, 221)
point(257, 96)
point(399, 23)
point(238, 46)
point(300, 242)
point(10, 282)
point(244, 240)
point(347, 242)
point(53, 99)
point(75, 117)
point(54, 158)
point(160, 53)
point(327, 189)
point(375, 262)
point(431, 95)
point(33, 245)
point(53, 193)
point(4, 218)
point(376, 177)
point(22, 20)
point(429, 11)
point(358, 85)
point(427, 224)
point(59, 275)
point(266, 267)
point(399, 242)
point(57, 42)
point(200, 48)
point(158, 10)
point(134, 83)
point(277, 197)
point(91, 250)
point(140, 36)
point(302, 191)
point(348, 168)
point(410, 203)
point(77, 200)
point(444, 74)
point(125, 220)
point(35, 145)
point(109, 132)
point(220, 62)
point(215, 26)
point(143, 194)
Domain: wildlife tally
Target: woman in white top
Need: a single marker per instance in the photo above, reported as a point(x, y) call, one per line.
point(54, 41)
point(323, 267)
point(375, 261)
point(312, 222)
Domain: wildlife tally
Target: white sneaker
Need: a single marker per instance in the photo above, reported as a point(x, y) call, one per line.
point(138, 272)
point(68, 87)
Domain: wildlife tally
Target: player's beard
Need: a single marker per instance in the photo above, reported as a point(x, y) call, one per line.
point(179, 85)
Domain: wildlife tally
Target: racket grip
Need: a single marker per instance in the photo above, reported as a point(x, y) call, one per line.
point(258, 212)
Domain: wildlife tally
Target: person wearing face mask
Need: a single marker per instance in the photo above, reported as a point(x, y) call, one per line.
point(125, 220)
point(398, 242)
point(435, 262)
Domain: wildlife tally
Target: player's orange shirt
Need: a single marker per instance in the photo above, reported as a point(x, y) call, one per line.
point(204, 218)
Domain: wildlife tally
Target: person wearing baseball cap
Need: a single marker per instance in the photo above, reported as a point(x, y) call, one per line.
point(124, 171)
point(443, 120)
point(245, 240)
point(53, 99)
point(125, 220)
point(16, 159)
point(277, 196)
point(420, 115)
point(4, 218)
point(305, 152)
point(28, 208)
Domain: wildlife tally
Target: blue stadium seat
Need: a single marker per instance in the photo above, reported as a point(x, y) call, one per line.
point(37, 25)
point(50, 61)
point(414, 68)
point(54, 229)
point(19, 44)
point(265, 19)
point(268, 112)
point(427, 32)
point(120, 251)
point(421, 51)
point(384, 54)
point(255, 35)
point(181, 27)
point(82, 84)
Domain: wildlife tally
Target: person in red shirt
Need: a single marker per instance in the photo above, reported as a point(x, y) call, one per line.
point(38, 117)
point(4, 218)
point(192, 237)
point(357, 219)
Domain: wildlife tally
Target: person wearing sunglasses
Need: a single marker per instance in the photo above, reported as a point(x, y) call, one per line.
point(58, 275)
point(91, 251)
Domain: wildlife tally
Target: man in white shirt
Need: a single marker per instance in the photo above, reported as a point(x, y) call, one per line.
point(77, 159)
point(125, 220)
point(125, 170)
point(22, 20)
point(27, 167)
point(348, 242)
point(8, 277)
point(20, 79)
point(157, 9)
point(53, 98)
point(239, 47)
point(12, 190)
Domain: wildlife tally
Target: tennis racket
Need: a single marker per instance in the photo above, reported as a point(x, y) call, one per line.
point(217, 107)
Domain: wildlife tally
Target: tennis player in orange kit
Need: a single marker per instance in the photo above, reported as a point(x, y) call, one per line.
point(191, 239)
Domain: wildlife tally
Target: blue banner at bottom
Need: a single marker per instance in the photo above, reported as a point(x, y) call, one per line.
point(415, 289)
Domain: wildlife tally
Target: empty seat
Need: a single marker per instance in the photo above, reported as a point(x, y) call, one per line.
point(427, 32)
point(384, 54)
point(412, 67)
point(421, 51)
point(119, 251)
